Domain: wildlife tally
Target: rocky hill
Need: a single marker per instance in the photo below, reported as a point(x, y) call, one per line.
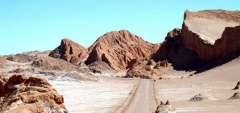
point(118, 48)
point(173, 51)
point(206, 36)
point(70, 51)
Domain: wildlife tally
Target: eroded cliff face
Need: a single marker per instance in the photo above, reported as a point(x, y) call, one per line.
point(230, 42)
point(173, 51)
point(210, 33)
point(118, 48)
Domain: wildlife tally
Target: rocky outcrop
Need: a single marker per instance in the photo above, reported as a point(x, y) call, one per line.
point(171, 53)
point(235, 96)
point(212, 34)
point(206, 36)
point(118, 48)
point(141, 68)
point(29, 95)
point(165, 108)
point(237, 86)
point(70, 51)
point(172, 50)
point(202, 97)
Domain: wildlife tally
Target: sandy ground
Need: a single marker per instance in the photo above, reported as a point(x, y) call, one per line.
point(82, 96)
point(217, 82)
point(104, 96)
point(209, 30)
point(108, 94)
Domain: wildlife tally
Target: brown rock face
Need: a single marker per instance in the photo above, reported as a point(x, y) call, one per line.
point(118, 48)
point(212, 33)
point(141, 68)
point(29, 94)
point(235, 96)
point(70, 51)
point(171, 53)
point(172, 50)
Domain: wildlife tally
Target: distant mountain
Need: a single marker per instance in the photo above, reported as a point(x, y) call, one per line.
point(208, 37)
point(118, 48)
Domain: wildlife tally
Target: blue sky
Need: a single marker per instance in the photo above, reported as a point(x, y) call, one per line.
point(28, 25)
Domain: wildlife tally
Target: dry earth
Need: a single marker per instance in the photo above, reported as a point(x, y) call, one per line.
point(216, 83)
point(104, 96)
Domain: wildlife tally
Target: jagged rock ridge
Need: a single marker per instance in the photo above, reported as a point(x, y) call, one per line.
point(205, 36)
point(115, 48)
point(118, 48)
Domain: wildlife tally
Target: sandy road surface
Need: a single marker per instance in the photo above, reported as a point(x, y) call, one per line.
point(142, 101)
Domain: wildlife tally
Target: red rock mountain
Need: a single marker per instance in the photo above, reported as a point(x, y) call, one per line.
point(206, 36)
point(22, 94)
point(118, 48)
point(212, 33)
point(70, 51)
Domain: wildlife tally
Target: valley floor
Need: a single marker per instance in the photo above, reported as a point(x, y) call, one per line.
point(109, 94)
point(217, 83)
point(104, 96)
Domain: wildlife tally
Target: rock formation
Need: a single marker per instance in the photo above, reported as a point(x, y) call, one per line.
point(202, 97)
point(172, 50)
point(212, 33)
point(206, 37)
point(70, 51)
point(165, 108)
point(141, 68)
point(235, 96)
point(237, 86)
point(29, 95)
point(118, 48)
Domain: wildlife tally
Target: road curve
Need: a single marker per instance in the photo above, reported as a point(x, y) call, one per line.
point(142, 101)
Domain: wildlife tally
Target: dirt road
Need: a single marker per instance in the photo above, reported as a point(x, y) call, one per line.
point(142, 101)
